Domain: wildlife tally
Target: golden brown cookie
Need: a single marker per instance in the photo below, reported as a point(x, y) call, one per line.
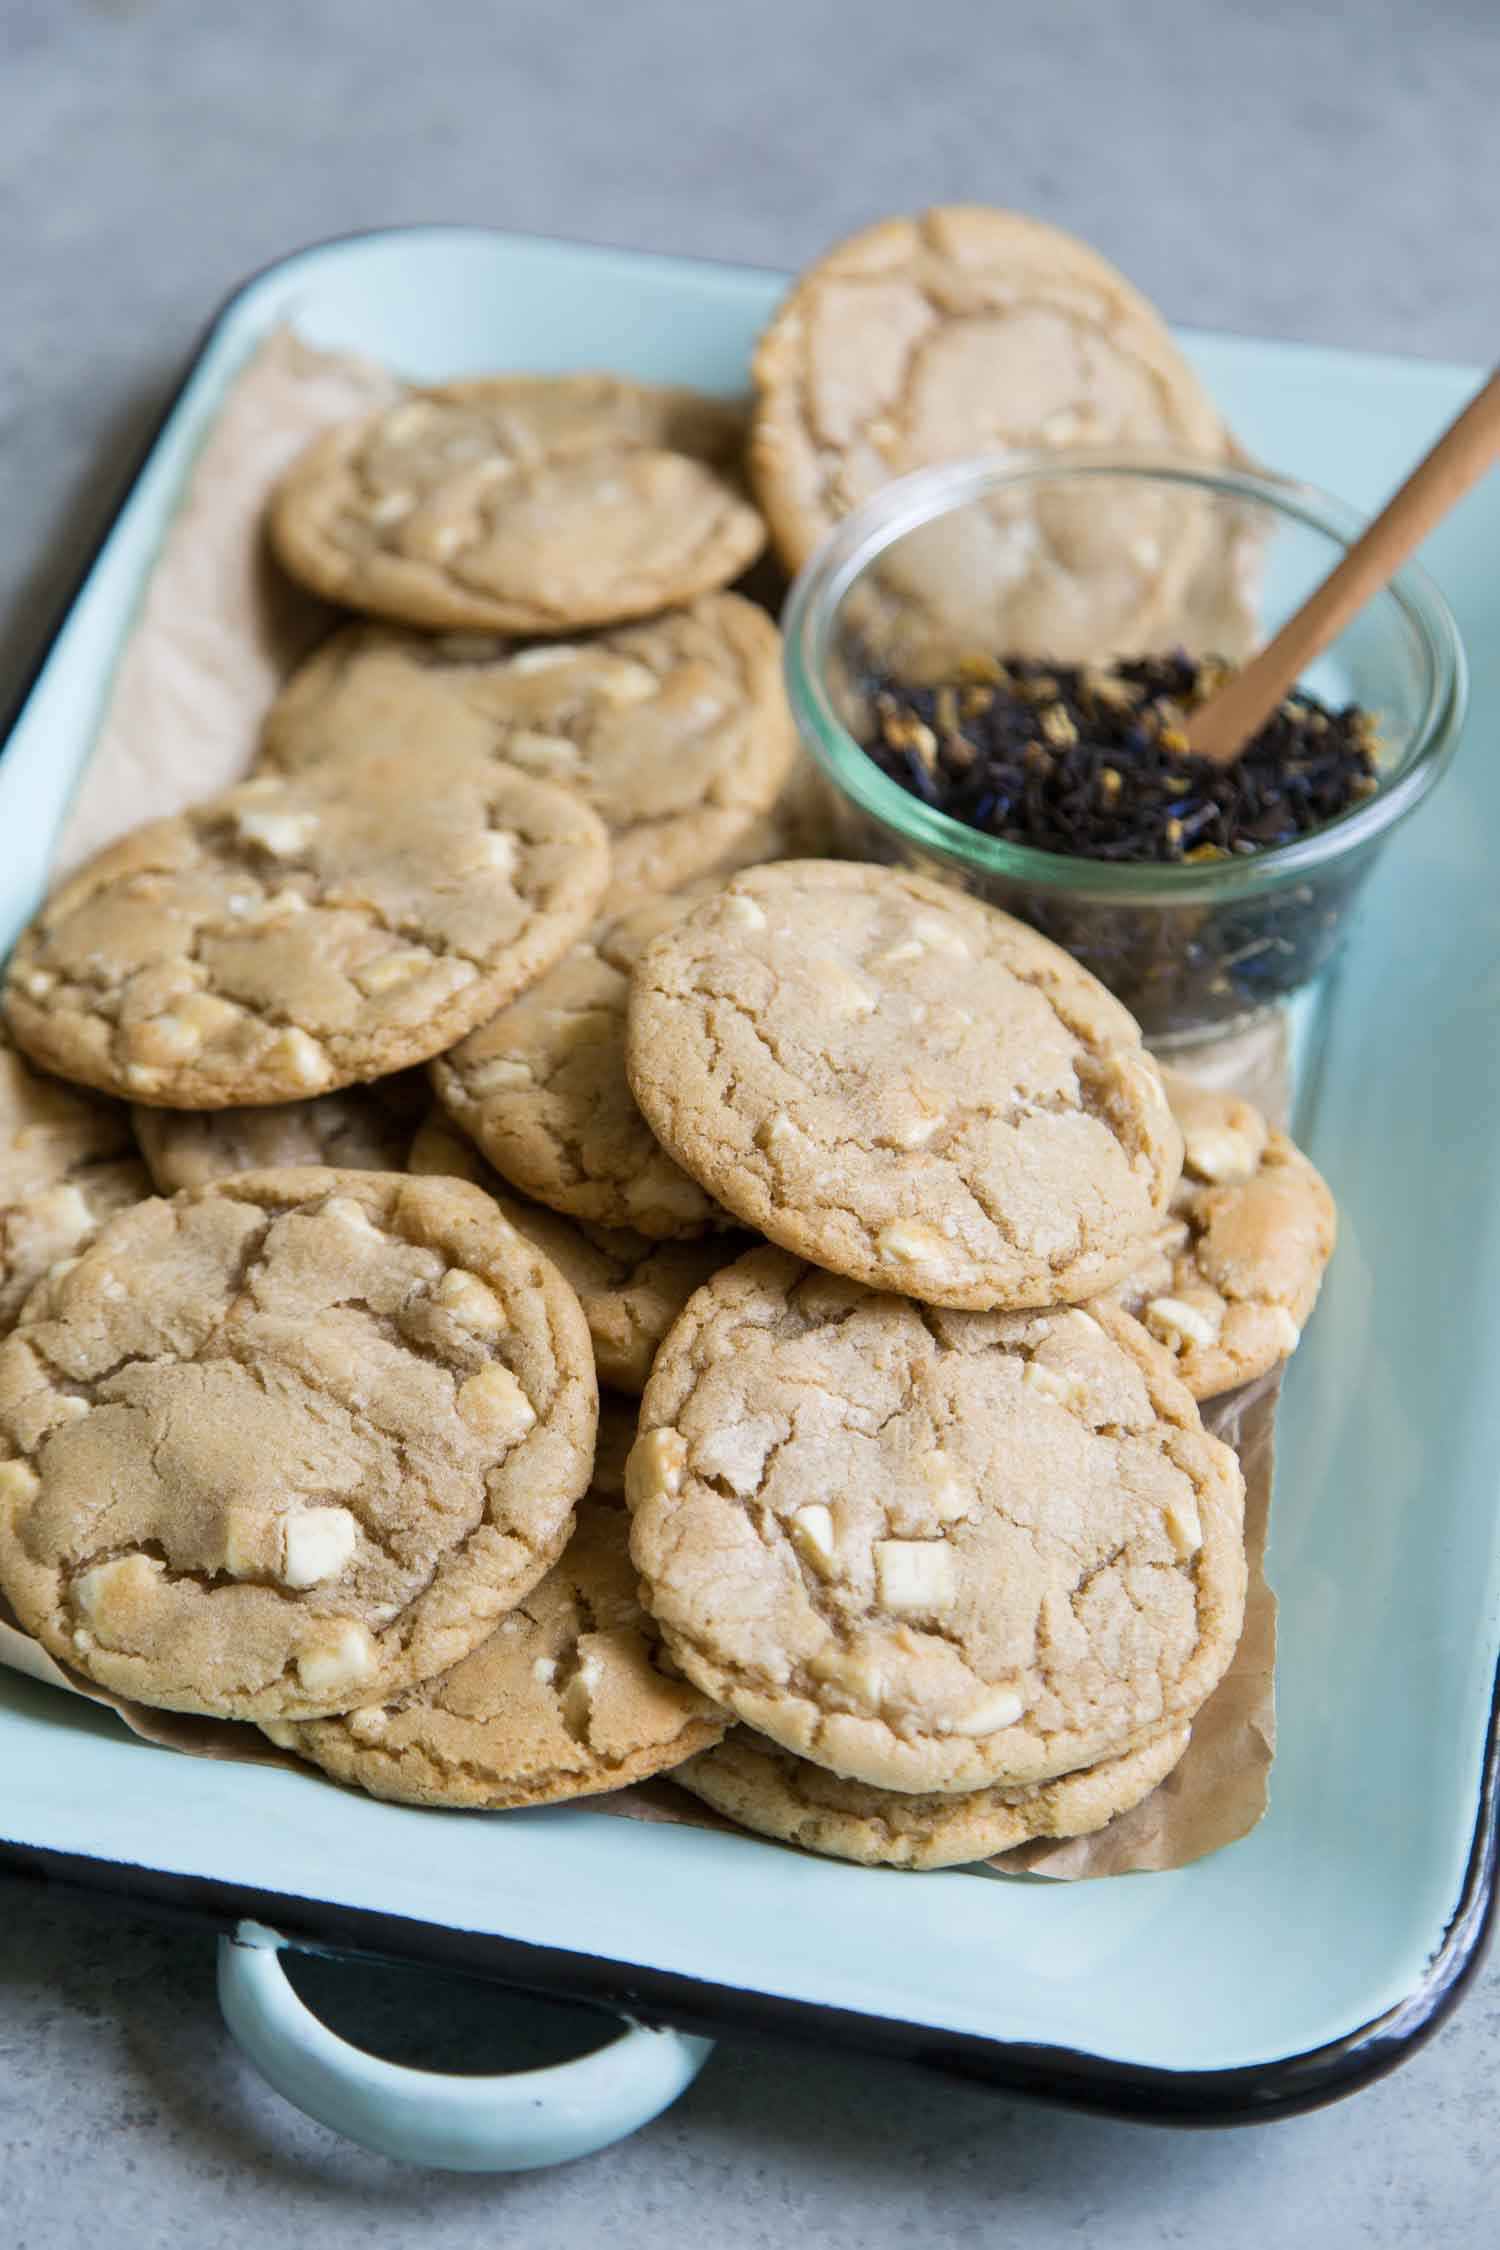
point(565, 1698)
point(361, 1129)
point(542, 1090)
point(677, 732)
point(298, 934)
point(290, 1442)
point(521, 504)
point(1231, 1276)
point(631, 1289)
point(903, 1085)
point(775, 1793)
point(932, 1550)
point(67, 1163)
point(967, 330)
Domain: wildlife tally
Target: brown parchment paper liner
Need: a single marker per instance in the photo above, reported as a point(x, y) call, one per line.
point(218, 632)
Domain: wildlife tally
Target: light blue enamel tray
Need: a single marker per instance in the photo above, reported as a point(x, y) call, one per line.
point(1278, 1971)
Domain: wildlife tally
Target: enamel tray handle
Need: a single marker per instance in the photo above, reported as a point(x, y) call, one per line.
point(513, 2122)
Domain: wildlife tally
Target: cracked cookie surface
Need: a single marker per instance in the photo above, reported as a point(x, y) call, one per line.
point(564, 1699)
point(521, 504)
point(631, 1288)
point(967, 331)
point(67, 1163)
point(1232, 1274)
point(542, 1089)
point(298, 934)
point(290, 1442)
point(903, 1085)
point(776, 1793)
point(361, 1129)
point(676, 732)
point(932, 1550)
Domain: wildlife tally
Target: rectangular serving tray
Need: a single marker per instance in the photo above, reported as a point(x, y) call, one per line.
point(1271, 1975)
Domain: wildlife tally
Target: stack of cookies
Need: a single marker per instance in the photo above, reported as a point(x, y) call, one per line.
point(501, 1037)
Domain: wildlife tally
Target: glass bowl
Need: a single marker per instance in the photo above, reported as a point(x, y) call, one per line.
point(1077, 556)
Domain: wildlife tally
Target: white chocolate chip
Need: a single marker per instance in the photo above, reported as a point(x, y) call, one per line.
point(814, 1537)
point(19, 1484)
point(300, 1057)
point(1184, 1526)
point(544, 1671)
point(1215, 1153)
point(844, 993)
point(1050, 1382)
point(206, 1014)
point(549, 754)
point(338, 1656)
point(908, 949)
point(471, 1302)
point(1063, 426)
point(316, 1545)
point(1175, 1322)
point(63, 1209)
point(493, 1405)
point(282, 834)
point(529, 660)
point(940, 936)
point(913, 1241)
point(390, 970)
point(914, 1575)
point(951, 1499)
point(37, 983)
point(1288, 1334)
point(663, 1458)
point(164, 1039)
point(860, 1677)
point(781, 1133)
point(1000, 1709)
point(392, 506)
point(349, 1213)
point(277, 906)
point(498, 851)
point(66, 1409)
point(625, 683)
point(369, 1723)
point(504, 1070)
point(108, 1592)
point(741, 913)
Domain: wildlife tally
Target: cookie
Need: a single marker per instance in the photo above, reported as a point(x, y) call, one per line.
point(541, 1088)
point(67, 1163)
point(931, 1550)
point(902, 1085)
point(1231, 1276)
point(362, 1129)
point(963, 331)
point(631, 1289)
point(295, 935)
point(565, 1698)
point(290, 1443)
point(521, 504)
point(677, 732)
point(775, 1793)
point(802, 824)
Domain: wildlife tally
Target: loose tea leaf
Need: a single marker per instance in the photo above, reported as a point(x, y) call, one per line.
point(1093, 761)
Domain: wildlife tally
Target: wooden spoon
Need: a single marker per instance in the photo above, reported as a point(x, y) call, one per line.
point(1227, 724)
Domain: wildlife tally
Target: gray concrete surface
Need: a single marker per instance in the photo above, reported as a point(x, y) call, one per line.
point(1326, 172)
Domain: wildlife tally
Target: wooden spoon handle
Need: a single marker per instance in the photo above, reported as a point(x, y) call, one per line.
point(1230, 720)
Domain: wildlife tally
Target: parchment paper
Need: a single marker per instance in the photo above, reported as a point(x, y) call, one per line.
point(217, 633)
